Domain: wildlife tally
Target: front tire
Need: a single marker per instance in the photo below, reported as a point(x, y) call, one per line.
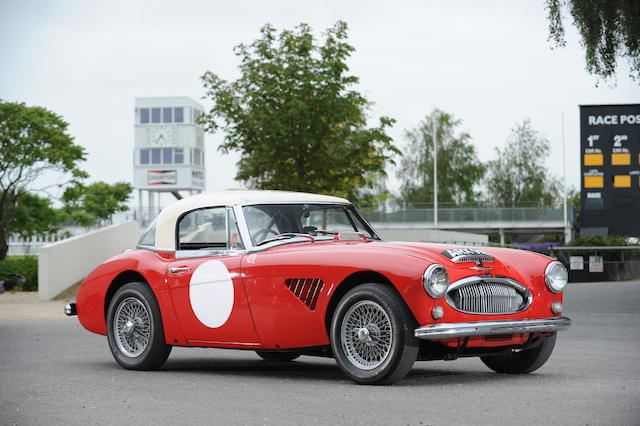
point(522, 362)
point(134, 328)
point(372, 335)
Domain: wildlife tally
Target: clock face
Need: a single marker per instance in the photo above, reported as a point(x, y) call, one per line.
point(161, 136)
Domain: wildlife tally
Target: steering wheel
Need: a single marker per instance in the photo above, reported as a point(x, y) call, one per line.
point(261, 234)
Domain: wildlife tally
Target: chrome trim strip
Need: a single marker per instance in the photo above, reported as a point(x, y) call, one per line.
point(489, 328)
point(214, 342)
point(192, 254)
point(476, 278)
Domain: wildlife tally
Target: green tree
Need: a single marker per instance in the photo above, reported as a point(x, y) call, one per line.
point(459, 169)
point(609, 29)
point(85, 204)
point(32, 140)
point(295, 117)
point(518, 173)
point(34, 215)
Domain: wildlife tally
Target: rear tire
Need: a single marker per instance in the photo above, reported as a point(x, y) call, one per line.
point(524, 361)
point(278, 356)
point(372, 335)
point(134, 328)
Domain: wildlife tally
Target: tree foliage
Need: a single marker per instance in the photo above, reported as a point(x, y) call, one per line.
point(459, 169)
point(34, 215)
point(295, 116)
point(85, 204)
point(32, 140)
point(609, 29)
point(519, 174)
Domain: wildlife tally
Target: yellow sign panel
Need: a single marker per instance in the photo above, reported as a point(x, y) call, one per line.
point(621, 159)
point(622, 181)
point(593, 159)
point(594, 181)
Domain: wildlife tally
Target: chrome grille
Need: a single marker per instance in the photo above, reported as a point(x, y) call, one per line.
point(476, 295)
point(472, 258)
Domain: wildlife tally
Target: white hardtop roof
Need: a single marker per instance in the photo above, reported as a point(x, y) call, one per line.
point(166, 222)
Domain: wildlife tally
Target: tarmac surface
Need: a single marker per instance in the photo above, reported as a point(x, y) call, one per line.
point(52, 372)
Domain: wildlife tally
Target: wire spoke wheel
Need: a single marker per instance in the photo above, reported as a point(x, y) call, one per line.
point(366, 335)
point(132, 327)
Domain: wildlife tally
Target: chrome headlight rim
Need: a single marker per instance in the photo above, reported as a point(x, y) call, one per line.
point(428, 283)
point(551, 281)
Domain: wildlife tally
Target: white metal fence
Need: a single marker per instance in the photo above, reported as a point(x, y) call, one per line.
point(29, 246)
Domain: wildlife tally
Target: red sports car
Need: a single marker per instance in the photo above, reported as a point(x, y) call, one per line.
point(288, 274)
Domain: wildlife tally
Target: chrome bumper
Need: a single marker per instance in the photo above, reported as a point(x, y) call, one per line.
point(488, 328)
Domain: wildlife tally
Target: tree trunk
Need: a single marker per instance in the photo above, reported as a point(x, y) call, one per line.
point(4, 247)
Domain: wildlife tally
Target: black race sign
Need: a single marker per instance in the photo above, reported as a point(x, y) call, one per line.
point(610, 158)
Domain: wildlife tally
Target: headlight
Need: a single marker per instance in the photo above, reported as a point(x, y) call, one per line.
point(435, 280)
point(556, 276)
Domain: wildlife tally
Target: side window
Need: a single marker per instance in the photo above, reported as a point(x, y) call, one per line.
point(148, 237)
point(212, 228)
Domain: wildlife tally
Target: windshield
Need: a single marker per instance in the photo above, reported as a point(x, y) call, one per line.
point(266, 221)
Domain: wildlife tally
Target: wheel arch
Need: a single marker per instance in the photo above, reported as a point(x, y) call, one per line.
point(172, 332)
point(123, 278)
point(352, 281)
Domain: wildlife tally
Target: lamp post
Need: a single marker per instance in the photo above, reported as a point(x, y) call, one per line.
point(567, 232)
point(435, 170)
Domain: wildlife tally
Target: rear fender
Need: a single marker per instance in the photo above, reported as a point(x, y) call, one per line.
point(97, 290)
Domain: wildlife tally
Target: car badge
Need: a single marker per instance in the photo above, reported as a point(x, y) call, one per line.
point(460, 255)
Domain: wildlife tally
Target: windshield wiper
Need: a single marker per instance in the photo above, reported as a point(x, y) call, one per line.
point(284, 236)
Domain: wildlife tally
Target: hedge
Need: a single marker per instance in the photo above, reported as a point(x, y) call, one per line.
point(22, 265)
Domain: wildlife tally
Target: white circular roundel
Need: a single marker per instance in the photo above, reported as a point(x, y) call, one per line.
point(211, 293)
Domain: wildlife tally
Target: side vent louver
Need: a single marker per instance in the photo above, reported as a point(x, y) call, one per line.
point(305, 289)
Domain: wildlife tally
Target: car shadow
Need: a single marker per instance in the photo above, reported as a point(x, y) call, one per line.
point(420, 376)
point(298, 369)
point(326, 370)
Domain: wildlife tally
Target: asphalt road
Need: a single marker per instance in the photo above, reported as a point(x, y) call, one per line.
point(52, 371)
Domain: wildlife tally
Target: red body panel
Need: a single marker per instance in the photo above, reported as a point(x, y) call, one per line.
point(237, 331)
point(267, 314)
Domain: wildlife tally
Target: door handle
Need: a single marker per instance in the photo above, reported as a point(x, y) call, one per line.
point(180, 269)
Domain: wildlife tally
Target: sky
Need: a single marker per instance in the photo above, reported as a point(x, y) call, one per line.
point(488, 63)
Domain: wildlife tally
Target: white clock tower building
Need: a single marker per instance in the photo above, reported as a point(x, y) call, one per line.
point(169, 148)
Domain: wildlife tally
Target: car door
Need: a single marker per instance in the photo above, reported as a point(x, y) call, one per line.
point(205, 280)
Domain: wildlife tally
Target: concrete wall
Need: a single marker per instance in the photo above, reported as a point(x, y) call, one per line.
point(64, 263)
point(431, 236)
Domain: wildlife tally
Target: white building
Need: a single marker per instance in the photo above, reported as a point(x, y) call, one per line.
point(169, 148)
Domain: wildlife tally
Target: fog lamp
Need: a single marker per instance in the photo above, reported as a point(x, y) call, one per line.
point(556, 307)
point(437, 312)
